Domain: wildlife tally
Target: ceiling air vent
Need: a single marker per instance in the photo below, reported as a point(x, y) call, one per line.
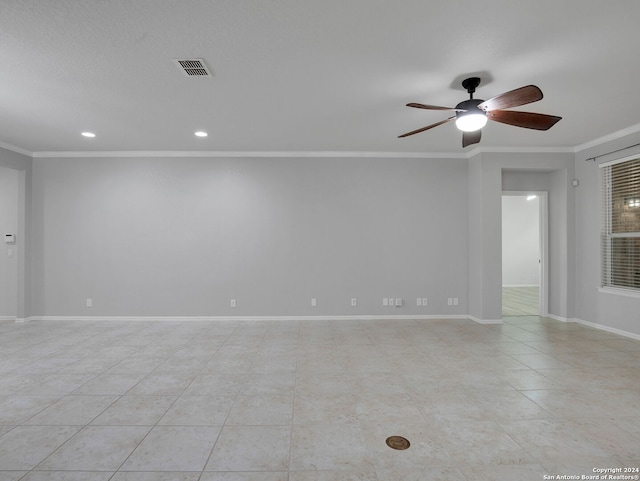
point(193, 67)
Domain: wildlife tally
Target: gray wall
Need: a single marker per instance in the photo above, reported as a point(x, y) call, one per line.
point(8, 225)
point(484, 244)
point(475, 240)
point(183, 236)
point(523, 171)
point(592, 305)
point(20, 291)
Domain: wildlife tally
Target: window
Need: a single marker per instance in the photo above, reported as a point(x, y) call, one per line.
point(621, 224)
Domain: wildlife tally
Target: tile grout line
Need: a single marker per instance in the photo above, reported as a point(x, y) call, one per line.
point(293, 402)
point(224, 423)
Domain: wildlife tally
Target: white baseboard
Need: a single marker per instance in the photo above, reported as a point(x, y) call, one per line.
point(241, 318)
point(595, 325)
point(560, 318)
point(486, 321)
point(612, 330)
point(521, 285)
point(7, 318)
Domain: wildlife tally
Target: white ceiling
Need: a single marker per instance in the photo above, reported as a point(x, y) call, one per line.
point(308, 75)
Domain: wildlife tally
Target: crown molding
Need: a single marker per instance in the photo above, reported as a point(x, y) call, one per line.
point(300, 154)
point(520, 150)
point(254, 154)
point(634, 129)
point(16, 149)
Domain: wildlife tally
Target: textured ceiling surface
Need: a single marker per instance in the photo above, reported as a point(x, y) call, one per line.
point(308, 75)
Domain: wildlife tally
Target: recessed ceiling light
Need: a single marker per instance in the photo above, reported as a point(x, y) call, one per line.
point(88, 134)
point(201, 133)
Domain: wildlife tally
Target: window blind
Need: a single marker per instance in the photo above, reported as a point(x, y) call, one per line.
point(621, 224)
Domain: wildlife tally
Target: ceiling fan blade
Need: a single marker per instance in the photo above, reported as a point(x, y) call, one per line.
point(513, 98)
point(432, 107)
point(469, 138)
point(527, 120)
point(426, 128)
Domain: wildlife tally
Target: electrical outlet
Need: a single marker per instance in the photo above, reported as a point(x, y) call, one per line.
point(424, 301)
point(419, 301)
point(398, 302)
point(455, 301)
point(233, 303)
point(450, 301)
point(354, 302)
point(385, 302)
point(314, 302)
point(89, 302)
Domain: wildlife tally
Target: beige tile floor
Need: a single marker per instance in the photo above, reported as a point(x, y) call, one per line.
point(315, 400)
point(520, 301)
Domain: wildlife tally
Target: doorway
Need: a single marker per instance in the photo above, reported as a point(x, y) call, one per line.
point(523, 254)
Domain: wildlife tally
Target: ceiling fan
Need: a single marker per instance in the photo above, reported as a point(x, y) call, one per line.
point(471, 115)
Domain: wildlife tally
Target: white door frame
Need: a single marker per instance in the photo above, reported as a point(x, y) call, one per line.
point(543, 218)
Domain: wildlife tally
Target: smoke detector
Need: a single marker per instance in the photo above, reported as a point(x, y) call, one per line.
point(192, 67)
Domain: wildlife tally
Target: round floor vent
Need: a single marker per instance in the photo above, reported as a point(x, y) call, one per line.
point(398, 442)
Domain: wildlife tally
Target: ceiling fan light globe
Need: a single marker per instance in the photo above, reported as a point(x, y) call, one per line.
point(471, 122)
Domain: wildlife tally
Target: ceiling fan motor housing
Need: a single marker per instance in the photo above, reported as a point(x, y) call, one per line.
point(470, 106)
